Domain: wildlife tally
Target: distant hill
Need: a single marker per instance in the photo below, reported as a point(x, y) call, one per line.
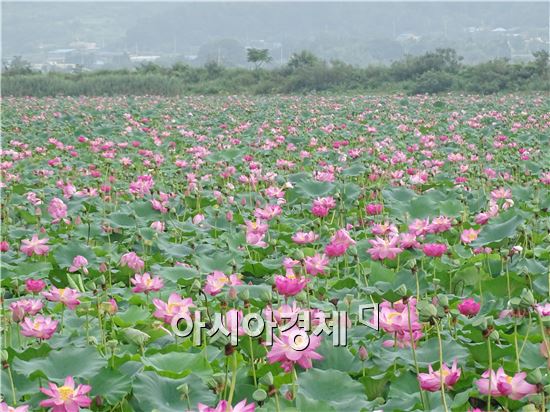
point(358, 33)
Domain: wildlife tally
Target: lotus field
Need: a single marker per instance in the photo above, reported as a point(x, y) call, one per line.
point(275, 254)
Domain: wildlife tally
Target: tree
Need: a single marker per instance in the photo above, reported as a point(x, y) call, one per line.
point(258, 56)
point(541, 62)
point(302, 59)
point(17, 66)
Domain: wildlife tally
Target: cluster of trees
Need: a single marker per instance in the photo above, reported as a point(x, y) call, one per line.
point(433, 72)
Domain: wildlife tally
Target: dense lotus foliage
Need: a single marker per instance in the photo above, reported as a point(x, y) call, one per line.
point(122, 215)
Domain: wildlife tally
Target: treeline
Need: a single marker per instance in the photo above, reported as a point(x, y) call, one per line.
point(434, 72)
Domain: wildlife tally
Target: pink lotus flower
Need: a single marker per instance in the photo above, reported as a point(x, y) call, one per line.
point(24, 307)
point(395, 320)
point(439, 224)
point(316, 264)
point(373, 209)
point(488, 382)
point(198, 219)
point(434, 249)
point(217, 280)
point(233, 321)
point(432, 381)
point(469, 235)
point(290, 285)
point(4, 246)
point(339, 243)
point(145, 283)
point(503, 385)
point(175, 306)
point(322, 206)
point(408, 241)
point(35, 285)
point(384, 248)
point(4, 407)
point(419, 227)
point(67, 296)
point(501, 193)
point(57, 209)
point(133, 261)
point(515, 387)
point(66, 398)
point(110, 306)
point(482, 218)
point(268, 212)
point(79, 262)
point(293, 347)
point(385, 228)
point(142, 186)
point(469, 307)
point(255, 233)
point(35, 246)
point(303, 237)
point(223, 406)
point(283, 313)
point(39, 327)
point(543, 309)
point(158, 226)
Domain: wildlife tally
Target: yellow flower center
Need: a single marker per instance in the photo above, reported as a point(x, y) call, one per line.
point(299, 341)
point(220, 282)
point(65, 393)
point(173, 307)
point(391, 316)
point(61, 292)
